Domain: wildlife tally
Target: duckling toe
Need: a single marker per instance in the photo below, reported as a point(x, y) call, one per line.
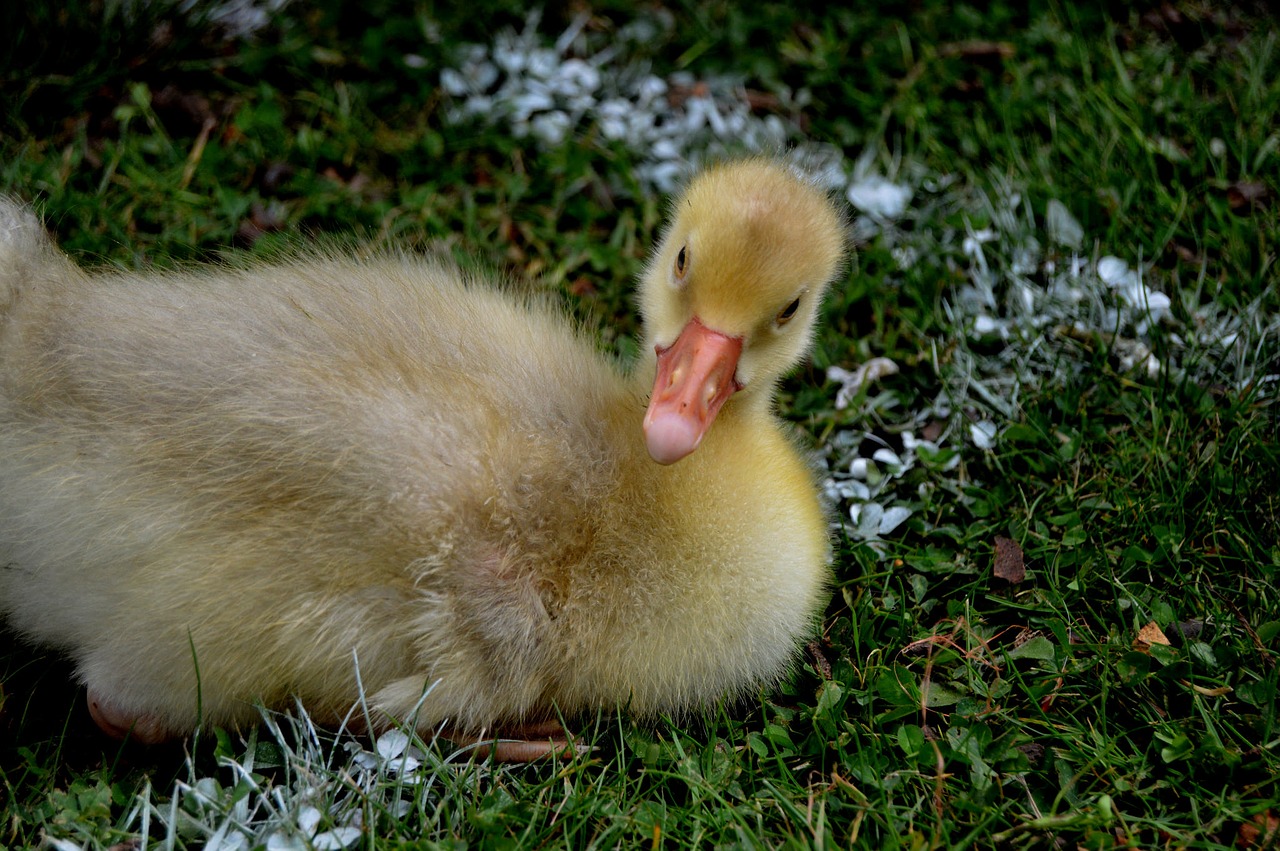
point(511, 750)
point(141, 727)
point(527, 743)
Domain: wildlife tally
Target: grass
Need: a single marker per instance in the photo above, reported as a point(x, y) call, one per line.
point(1131, 458)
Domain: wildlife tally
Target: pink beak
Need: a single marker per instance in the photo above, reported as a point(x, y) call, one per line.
point(695, 377)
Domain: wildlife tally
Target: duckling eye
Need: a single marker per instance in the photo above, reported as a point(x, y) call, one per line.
point(682, 261)
point(789, 311)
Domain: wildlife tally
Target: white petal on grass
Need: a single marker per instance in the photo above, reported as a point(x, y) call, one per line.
point(1135, 353)
point(207, 790)
point(844, 490)
point(665, 149)
point(530, 102)
point(892, 518)
point(715, 120)
point(281, 841)
point(887, 457)
point(1226, 340)
point(1026, 258)
point(575, 77)
point(572, 80)
point(567, 38)
point(665, 176)
point(873, 520)
point(985, 326)
point(61, 844)
point(551, 128)
point(974, 240)
point(1154, 307)
point(867, 518)
point(852, 381)
point(404, 766)
point(879, 197)
point(651, 88)
point(336, 839)
point(481, 75)
point(240, 19)
point(1063, 227)
point(1112, 270)
point(1158, 303)
point(510, 58)
point(983, 434)
point(905, 256)
point(309, 819)
point(453, 82)
point(695, 114)
point(541, 64)
point(223, 839)
point(392, 744)
point(824, 165)
point(613, 115)
point(478, 105)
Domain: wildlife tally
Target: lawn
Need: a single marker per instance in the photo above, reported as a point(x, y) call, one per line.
point(1054, 617)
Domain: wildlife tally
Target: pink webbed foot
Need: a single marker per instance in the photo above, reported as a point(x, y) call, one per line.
point(524, 743)
point(143, 728)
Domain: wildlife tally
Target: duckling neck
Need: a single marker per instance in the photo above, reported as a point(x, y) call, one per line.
point(706, 571)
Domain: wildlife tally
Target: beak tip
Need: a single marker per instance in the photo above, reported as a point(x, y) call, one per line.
point(670, 437)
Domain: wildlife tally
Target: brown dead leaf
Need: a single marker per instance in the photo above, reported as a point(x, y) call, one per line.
point(182, 112)
point(1025, 634)
point(275, 175)
point(1032, 751)
point(262, 219)
point(1149, 635)
point(820, 661)
point(1245, 196)
point(1185, 253)
point(758, 101)
point(355, 181)
point(1261, 832)
point(679, 93)
point(979, 50)
point(1210, 692)
point(1010, 565)
point(1191, 628)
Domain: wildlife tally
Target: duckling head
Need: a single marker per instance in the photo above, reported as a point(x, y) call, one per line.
point(731, 294)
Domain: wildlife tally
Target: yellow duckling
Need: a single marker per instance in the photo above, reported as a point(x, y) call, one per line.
point(229, 485)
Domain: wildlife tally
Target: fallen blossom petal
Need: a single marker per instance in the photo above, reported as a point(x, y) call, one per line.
point(983, 434)
point(392, 743)
point(851, 381)
point(1112, 270)
point(879, 197)
point(892, 518)
point(1063, 227)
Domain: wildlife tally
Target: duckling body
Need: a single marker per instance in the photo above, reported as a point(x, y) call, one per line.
point(235, 485)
